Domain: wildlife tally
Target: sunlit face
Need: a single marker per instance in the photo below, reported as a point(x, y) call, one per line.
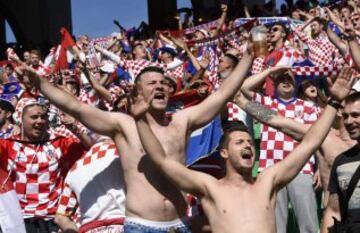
point(336, 12)
point(345, 13)
point(276, 33)
point(154, 82)
point(224, 64)
point(313, 12)
point(351, 116)
point(139, 51)
point(8, 70)
point(27, 57)
point(316, 28)
point(355, 20)
point(285, 87)
point(240, 151)
point(311, 92)
point(295, 15)
point(165, 56)
point(35, 122)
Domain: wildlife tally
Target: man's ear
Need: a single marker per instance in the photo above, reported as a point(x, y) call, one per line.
point(224, 153)
point(8, 115)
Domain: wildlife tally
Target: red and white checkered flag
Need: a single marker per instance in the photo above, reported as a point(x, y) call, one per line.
point(316, 70)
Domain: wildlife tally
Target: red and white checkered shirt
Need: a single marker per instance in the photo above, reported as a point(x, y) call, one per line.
point(88, 96)
point(275, 145)
point(38, 171)
point(321, 50)
point(235, 113)
point(68, 205)
point(258, 65)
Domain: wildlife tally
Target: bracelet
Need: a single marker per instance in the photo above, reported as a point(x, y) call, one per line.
point(335, 104)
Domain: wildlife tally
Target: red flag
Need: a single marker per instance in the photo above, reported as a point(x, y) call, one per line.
point(66, 42)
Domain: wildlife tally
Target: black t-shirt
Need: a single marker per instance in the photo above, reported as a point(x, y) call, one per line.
point(342, 171)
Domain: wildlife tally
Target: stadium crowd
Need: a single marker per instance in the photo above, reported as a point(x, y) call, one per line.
point(97, 135)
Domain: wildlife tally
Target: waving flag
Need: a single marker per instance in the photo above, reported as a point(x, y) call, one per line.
point(66, 43)
point(204, 141)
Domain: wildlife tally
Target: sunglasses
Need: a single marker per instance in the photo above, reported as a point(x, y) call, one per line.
point(275, 29)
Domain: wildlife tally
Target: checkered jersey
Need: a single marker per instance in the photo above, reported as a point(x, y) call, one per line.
point(321, 50)
point(235, 113)
point(68, 205)
point(88, 96)
point(37, 171)
point(275, 145)
point(258, 65)
point(133, 67)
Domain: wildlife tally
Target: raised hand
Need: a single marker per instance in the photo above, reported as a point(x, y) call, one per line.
point(341, 88)
point(276, 71)
point(139, 105)
point(179, 43)
point(224, 7)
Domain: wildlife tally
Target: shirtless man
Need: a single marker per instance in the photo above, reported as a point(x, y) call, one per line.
point(238, 202)
point(336, 142)
point(152, 201)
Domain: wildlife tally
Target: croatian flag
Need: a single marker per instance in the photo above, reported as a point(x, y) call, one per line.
point(204, 141)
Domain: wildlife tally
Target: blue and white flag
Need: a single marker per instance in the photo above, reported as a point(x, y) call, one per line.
point(204, 141)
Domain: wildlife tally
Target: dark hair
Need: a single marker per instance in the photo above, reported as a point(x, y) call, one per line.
point(320, 21)
point(36, 52)
point(283, 26)
point(320, 99)
point(352, 98)
point(234, 60)
point(350, 8)
point(230, 127)
point(149, 69)
point(9, 66)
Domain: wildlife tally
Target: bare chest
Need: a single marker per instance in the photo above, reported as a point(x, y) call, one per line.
point(238, 206)
point(173, 139)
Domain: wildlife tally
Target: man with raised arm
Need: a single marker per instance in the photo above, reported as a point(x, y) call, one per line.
point(152, 201)
point(336, 142)
point(238, 202)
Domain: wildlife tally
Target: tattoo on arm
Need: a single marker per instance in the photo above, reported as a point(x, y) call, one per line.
point(259, 111)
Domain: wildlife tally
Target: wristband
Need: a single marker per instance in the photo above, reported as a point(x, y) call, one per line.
point(335, 104)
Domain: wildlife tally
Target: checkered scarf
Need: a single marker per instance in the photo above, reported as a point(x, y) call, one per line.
point(21, 105)
point(316, 70)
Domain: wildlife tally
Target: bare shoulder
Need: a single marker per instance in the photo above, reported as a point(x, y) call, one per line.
point(124, 121)
point(181, 117)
